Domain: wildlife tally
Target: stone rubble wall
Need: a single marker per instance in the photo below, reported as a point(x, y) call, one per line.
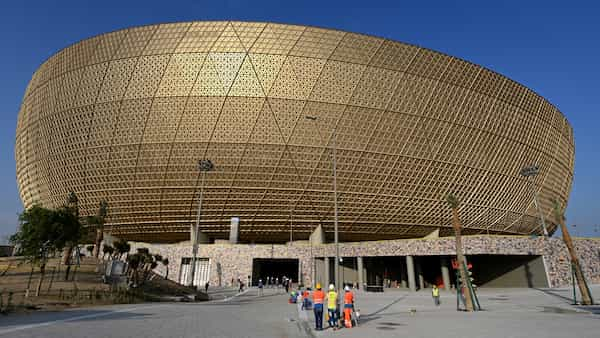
point(235, 260)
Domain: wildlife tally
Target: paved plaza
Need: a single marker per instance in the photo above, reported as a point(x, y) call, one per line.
point(508, 313)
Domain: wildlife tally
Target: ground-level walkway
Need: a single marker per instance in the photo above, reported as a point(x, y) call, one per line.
point(245, 315)
point(507, 313)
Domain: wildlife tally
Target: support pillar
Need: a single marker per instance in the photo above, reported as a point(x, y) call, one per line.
point(420, 277)
point(202, 237)
point(234, 230)
point(316, 238)
point(445, 272)
point(326, 274)
point(403, 280)
point(313, 272)
point(300, 279)
point(360, 272)
point(410, 269)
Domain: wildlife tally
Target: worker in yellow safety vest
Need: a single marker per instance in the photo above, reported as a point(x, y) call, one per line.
point(435, 293)
point(332, 298)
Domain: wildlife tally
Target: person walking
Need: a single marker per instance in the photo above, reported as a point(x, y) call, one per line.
point(332, 306)
point(318, 298)
point(260, 287)
point(286, 284)
point(206, 287)
point(348, 306)
point(435, 293)
point(241, 289)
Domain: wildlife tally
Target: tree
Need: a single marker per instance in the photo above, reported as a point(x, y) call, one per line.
point(43, 231)
point(165, 262)
point(71, 215)
point(121, 247)
point(141, 265)
point(586, 297)
point(107, 250)
point(454, 203)
point(97, 222)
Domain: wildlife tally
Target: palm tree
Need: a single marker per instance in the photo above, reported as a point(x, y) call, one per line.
point(121, 248)
point(98, 221)
point(454, 203)
point(583, 288)
point(72, 206)
point(165, 262)
point(107, 250)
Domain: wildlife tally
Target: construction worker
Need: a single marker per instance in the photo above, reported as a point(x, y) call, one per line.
point(318, 298)
point(332, 306)
point(435, 293)
point(348, 306)
point(305, 300)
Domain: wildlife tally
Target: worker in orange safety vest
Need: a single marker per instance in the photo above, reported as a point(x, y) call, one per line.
point(318, 298)
point(348, 306)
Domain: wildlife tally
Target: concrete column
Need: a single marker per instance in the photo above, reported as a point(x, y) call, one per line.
point(300, 279)
point(326, 274)
point(234, 230)
point(313, 275)
point(403, 281)
point(360, 267)
point(318, 236)
point(445, 272)
point(202, 237)
point(410, 269)
point(420, 277)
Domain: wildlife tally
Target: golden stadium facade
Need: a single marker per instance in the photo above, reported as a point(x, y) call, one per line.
point(125, 117)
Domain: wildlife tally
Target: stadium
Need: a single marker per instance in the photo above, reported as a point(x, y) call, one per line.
point(294, 119)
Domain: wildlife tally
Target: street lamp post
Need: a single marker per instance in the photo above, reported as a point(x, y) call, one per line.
point(204, 166)
point(531, 171)
point(335, 207)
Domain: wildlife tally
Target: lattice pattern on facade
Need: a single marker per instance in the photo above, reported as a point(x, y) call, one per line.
point(125, 116)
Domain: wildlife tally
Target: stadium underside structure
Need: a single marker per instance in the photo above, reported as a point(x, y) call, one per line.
point(126, 116)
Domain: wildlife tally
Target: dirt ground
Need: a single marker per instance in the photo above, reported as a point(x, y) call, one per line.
point(83, 288)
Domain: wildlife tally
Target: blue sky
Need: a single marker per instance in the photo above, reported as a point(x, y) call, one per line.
point(550, 47)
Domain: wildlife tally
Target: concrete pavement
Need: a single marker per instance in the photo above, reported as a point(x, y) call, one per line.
point(507, 313)
point(246, 315)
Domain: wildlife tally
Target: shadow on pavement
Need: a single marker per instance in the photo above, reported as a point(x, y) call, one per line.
point(69, 316)
point(555, 294)
point(365, 318)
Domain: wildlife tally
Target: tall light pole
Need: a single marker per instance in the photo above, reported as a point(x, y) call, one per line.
point(335, 206)
point(532, 171)
point(204, 166)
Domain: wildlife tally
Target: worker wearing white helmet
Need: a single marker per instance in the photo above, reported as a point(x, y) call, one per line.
point(348, 306)
point(332, 298)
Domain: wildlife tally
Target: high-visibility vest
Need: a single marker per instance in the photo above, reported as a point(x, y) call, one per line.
point(331, 300)
point(348, 298)
point(318, 296)
point(435, 292)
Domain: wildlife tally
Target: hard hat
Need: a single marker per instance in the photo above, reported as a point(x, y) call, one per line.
point(331, 287)
point(347, 288)
point(318, 285)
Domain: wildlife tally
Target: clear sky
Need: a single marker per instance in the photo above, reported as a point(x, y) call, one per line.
point(552, 47)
